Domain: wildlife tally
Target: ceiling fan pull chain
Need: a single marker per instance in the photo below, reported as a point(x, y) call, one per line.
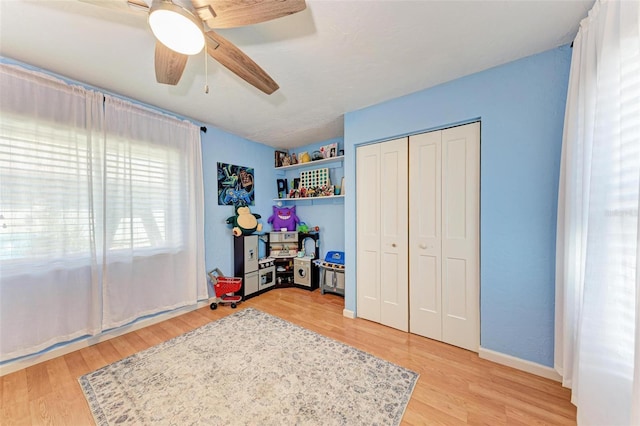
point(206, 73)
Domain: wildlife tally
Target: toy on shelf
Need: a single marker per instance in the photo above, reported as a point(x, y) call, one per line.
point(305, 229)
point(244, 222)
point(284, 218)
point(305, 157)
point(314, 178)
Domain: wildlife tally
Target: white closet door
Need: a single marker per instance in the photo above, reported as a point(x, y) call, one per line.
point(394, 222)
point(382, 253)
point(444, 176)
point(460, 236)
point(368, 232)
point(425, 240)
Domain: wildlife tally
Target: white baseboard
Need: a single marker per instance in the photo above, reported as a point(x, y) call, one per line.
point(31, 360)
point(520, 364)
point(348, 313)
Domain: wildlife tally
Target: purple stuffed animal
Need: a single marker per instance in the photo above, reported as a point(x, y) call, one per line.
point(284, 217)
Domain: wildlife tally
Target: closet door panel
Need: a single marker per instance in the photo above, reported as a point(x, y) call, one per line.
point(390, 293)
point(368, 232)
point(425, 256)
point(456, 300)
point(425, 297)
point(455, 189)
point(460, 241)
point(369, 286)
point(393, 240)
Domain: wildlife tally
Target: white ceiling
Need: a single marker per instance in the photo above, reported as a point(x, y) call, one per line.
point(336, 56)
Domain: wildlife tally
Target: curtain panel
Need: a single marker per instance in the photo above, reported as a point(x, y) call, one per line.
point(153, 206)
point(101, 206)
point(597, 351)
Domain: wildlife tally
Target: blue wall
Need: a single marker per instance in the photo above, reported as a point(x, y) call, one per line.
point(521, 106)
point(223, 147)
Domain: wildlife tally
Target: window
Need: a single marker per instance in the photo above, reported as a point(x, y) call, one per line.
point(44, 193)
point(144, 198)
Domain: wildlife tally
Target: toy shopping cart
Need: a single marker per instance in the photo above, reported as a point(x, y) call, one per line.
point(224, 287)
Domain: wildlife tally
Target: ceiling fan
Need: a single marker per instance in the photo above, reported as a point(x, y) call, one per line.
point(184, 27)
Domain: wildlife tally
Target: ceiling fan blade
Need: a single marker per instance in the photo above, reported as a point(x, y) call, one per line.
point(169, 64)
point(123, 5)
point(234, 13)
point(236, 61)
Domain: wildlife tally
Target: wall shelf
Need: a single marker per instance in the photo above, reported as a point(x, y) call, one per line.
point(331, 197)
point(317, 163)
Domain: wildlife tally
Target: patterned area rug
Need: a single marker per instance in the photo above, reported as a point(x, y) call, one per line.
point(250, 368)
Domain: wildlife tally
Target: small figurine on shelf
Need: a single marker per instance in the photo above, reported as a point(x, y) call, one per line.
point(305, 229)
point(294, 159)
point(286, 161)
point(305, 157)
point(325, 191)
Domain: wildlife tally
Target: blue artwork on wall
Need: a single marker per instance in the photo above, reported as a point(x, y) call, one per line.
point(235, 185)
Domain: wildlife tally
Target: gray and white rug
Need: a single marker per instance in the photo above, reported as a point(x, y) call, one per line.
point(249, 368)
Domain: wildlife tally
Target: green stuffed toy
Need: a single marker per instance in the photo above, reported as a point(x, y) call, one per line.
point(244, 222)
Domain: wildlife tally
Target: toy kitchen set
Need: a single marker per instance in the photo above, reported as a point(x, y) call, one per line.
point(289, 262)
point(293, 254)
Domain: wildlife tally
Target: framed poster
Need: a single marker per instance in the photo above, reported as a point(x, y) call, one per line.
point(279, 158)
point(235, 185)
point(329, 151)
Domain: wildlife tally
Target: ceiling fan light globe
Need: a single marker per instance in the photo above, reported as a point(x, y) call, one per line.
point(176, 28)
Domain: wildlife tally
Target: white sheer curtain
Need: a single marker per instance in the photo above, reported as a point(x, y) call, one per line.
point(154, 202)
point(597, 287)
point(101, 212)
point(49, 278)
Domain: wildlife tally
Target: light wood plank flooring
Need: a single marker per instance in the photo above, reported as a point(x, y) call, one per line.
point(455, 385)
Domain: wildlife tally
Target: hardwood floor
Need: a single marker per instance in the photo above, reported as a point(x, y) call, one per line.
point(455, 385)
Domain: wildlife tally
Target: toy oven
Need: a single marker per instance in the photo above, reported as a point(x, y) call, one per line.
point(266, 277)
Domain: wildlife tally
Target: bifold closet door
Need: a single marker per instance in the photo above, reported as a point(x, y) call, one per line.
point(382, 242)
point(444, 174)
point(425, 238)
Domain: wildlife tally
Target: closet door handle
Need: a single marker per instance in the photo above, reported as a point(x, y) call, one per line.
point(423, 246)
point(393, 244)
